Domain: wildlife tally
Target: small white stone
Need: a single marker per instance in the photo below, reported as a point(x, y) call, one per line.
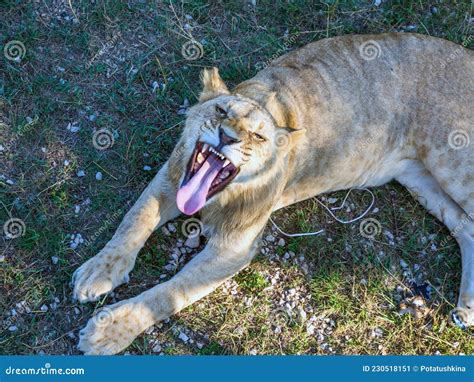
point(183, 337)
point(66, 163)
point(171, 227)
point(403, 263)
point(81, 173)
point(281, 242)
point(73, 127)
point(44, 308)
point(192, 242)
point(77, 209)
point(13, 328)
point(377, 2)
point(54, 259)
point(156, 348)
point(98, 175)
point(270, 238)
point(147, 168)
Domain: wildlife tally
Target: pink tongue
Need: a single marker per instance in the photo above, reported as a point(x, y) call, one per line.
point(192, 196)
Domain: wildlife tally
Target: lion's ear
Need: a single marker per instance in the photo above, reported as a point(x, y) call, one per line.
point(295, 135)
point(212, 84)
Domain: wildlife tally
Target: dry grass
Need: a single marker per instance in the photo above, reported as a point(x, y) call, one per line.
point(119, 67)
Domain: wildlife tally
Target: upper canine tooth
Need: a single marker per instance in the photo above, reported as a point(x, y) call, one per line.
point(205, 147)
point(226, 162)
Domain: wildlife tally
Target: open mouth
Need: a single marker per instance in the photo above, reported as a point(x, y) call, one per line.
point(208, 172)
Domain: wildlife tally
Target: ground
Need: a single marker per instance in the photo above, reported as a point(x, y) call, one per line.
point(92, 100)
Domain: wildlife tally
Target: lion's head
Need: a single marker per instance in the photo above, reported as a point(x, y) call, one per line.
point(230, 143)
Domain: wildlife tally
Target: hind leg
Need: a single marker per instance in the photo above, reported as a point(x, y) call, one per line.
point(429, 193)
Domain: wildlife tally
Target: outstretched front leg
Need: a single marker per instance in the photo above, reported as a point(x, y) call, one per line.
point(111, 266)
point(114, 328)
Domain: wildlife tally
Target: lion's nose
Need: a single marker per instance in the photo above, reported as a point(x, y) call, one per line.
point(225, 139)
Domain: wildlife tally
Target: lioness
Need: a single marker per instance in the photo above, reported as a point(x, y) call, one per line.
point(351, 111)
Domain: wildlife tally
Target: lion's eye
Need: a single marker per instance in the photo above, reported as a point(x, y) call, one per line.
point(221, 112)
point(259, 137)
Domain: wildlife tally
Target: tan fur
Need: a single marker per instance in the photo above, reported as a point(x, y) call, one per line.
point(333, 117)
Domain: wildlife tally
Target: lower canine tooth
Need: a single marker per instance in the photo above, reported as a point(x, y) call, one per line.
point(200, 158)
point(205, 147)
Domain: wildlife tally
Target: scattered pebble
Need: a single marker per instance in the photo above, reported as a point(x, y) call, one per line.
point(81, 173)
point(184, 107)
point(270, 238)
point(183, 337)
point(403, 264)
point(44, 308)
point(156, 348)
point(76, 240)
point(98, 176)
point(54, 259)
point(147, 168)
point(73, 127)
point(192, 241)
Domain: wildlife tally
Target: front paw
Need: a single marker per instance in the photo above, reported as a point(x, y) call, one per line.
point(100, 275)
point(112, 329)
